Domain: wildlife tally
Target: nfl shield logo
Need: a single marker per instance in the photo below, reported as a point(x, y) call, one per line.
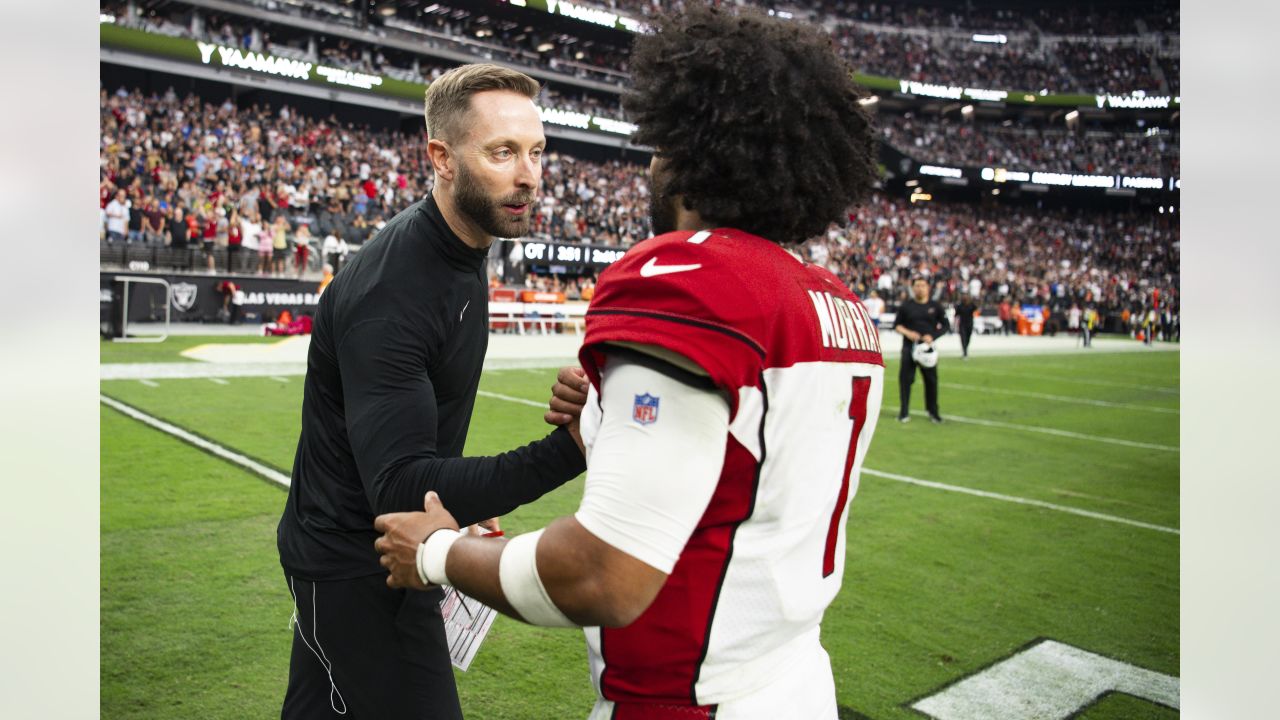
point(645, 411)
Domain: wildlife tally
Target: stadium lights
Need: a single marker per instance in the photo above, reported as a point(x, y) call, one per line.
point(997, 39)
point(966, 110)
point(920, 196)
point(995, 191)
point(912, 183)
point(546, 46)
point(387, 10)
point(872, 100)
point(1071, 116)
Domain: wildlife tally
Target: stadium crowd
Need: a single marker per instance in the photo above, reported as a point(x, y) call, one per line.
point(194, 172)
point(270, 182)
point(949, 141)
point(1001, 253)
point(870, 35)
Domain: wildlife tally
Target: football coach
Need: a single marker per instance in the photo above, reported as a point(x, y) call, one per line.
point(396, 353)
point(920, 320)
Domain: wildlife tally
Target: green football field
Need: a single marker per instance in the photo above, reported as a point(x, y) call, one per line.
point(1043, 514)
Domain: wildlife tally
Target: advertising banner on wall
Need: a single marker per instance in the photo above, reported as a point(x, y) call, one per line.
point(199, 298)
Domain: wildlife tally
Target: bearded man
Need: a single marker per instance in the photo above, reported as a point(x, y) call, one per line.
point(395, 360)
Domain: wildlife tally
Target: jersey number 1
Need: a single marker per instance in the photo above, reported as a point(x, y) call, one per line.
point(858, 413)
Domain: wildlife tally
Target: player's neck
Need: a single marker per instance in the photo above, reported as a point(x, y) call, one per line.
point(689, 220)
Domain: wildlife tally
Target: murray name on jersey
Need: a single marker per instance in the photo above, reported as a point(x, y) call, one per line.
point(844, 324)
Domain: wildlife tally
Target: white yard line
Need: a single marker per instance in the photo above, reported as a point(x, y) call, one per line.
point(149, 383)
point(1020, 501)
point(939, 486)
point(277, 378)
point(1109, 371)
point(230, 455)
point(1041, 429)
point(218, 381)
point(1063, 398)
point(508, 398)
point(1080, 381)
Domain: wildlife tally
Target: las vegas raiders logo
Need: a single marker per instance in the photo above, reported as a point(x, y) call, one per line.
point(184, 296)
point(645, 411)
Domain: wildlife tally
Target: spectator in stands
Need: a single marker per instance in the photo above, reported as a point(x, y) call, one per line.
point(209, 235)
point(302, 248)
point(875, 306)
point(235, 241)
point(153, 222)
point(179, 230)
point(279, 244)
point(117, 212)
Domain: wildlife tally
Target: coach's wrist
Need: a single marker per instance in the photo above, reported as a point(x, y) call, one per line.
point(432, 555)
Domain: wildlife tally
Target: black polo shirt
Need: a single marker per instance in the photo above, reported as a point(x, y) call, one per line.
point(396, 351)
point(926, 318)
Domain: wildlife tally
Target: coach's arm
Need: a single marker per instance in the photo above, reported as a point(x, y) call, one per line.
point(648, 484)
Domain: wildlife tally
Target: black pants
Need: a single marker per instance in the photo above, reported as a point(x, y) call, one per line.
point(966, 332)
point(907, 375)
point(362, 651)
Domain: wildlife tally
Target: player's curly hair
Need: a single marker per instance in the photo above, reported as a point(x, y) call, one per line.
point(757, 118)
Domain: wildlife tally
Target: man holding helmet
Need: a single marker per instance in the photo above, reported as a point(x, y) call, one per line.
point(920, 321)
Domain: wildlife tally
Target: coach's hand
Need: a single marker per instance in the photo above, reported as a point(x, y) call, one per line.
point(402, 533)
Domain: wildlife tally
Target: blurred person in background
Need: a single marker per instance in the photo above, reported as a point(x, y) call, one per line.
point(117, 212)
point(302, 248)
point(965, 310)
point(919, 320)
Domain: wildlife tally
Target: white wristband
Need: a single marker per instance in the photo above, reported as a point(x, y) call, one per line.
point(432, 555)
point(518, 573)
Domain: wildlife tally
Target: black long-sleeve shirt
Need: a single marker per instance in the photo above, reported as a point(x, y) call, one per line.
point(396, 352)
point(926, 318)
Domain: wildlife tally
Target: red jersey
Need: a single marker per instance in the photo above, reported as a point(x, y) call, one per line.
point(799, 360)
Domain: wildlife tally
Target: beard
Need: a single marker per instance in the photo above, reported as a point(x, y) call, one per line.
point(662, 210)
point(488, 212)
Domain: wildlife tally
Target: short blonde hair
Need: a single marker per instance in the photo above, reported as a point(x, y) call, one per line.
point(448, 99)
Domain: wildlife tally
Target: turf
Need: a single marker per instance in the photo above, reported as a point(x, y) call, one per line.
point(937, 584)
point(170, 350)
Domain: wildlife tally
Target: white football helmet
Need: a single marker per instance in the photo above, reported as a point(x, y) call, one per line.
point(925, 355)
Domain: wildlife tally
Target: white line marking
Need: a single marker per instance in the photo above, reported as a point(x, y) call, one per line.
point(277, 378)
point(1041, 429)
point(1048, 681)
point(532, 371)
point(508, 398)
point(149, 383)
point(1063, 398)
point(244, 462)
point(1081, 381)
point(219, 381)
point(1109, 371)
point(1019, 501)
point(941, 486)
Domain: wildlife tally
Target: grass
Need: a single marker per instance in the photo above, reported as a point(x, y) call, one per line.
point(170, 350)
point(937, 584)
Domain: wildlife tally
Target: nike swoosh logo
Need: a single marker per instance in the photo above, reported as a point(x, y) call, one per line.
point(652, 268)
point(464, 309)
